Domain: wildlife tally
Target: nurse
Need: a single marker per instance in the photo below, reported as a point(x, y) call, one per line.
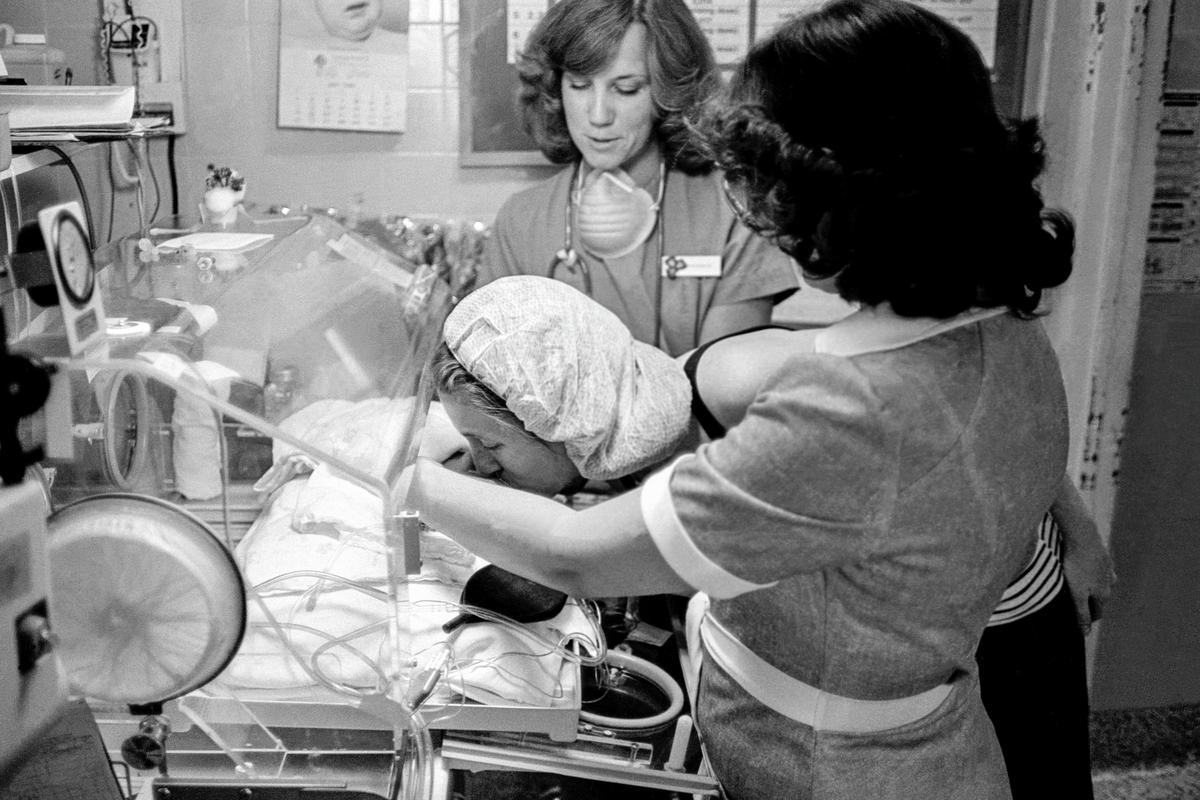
point(857, 527)
point(636, 219)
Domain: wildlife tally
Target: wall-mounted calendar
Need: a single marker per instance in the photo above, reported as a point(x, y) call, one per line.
point(340, 68)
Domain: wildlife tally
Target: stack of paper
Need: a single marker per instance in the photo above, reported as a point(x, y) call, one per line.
point(35, 111)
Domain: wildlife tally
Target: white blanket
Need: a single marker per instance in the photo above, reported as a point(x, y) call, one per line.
point(304, 629)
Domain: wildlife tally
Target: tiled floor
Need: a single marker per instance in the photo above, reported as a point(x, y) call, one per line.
point(1168, 782)
point(1146, 754)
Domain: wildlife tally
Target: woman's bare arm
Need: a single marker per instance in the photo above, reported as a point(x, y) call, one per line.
point(604, 550)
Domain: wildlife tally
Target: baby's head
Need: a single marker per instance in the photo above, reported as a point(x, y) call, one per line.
point(550, 388)
point(349, 19)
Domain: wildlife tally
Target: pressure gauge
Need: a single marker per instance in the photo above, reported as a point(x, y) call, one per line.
point(73, 258)
point(69, 251)
point(148, 603)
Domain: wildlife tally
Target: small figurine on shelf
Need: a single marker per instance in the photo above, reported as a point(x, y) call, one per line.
point(224, 189)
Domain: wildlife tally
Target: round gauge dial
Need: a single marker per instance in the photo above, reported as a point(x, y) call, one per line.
point(148, 604)
point(73, 258)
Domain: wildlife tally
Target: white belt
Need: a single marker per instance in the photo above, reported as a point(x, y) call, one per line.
point(806, 704)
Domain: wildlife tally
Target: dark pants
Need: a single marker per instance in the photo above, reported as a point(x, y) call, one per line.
point(1033, 679)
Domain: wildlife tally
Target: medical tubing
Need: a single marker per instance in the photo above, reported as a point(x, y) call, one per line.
point(331, 641)
point(365, 588)
point(223, 451)
point(364, 479)
point(139, 193)
point(419, 786)
point(83, 196)
point(313, 593)
point(450, 668)
point(112, 185)
point(153, 180)
point(343, 642)
point(172, 174)
point(312, 668)
point(141, 411)
point(493, 665)
point(300, 659)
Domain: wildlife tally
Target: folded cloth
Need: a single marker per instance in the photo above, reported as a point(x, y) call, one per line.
point(196, 451)
point(495, 664)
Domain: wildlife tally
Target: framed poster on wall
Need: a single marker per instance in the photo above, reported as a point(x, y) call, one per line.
point(491, 33)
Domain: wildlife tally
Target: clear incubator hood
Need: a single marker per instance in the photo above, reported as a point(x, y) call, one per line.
point(231, 555)
point(238, 589)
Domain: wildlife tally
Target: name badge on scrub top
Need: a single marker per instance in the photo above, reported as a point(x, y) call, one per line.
point(691, 266)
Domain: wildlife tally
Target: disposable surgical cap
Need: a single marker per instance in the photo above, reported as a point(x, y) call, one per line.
point(569, 369)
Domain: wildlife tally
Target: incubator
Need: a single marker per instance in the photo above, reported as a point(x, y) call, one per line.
point(238, 587)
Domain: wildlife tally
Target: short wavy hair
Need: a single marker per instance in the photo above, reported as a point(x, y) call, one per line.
point(582, 36)
point(863, 138)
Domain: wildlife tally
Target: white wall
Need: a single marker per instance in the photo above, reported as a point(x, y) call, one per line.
point(231, 52)
point(229, 63)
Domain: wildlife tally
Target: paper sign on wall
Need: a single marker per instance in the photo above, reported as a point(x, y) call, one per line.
point(1173, 240)
point(726, 25)
point(976, 18)
point(522, 16)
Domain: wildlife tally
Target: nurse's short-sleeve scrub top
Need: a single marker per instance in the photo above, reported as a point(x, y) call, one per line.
point(530, 229)
point(856, 531)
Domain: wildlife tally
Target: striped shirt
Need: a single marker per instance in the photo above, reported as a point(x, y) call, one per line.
point(1039, 582)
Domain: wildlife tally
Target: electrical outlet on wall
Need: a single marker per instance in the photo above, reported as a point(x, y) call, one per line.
point(146, 50)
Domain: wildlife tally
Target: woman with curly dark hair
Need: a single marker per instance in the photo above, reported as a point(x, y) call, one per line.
point(851, 534)
point(928, 205)
point(636, 219)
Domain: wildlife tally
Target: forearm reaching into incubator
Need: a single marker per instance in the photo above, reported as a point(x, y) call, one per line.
point(605, 550)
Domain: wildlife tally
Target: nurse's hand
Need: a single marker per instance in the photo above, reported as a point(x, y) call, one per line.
point(1086, 563)
point(1090, 576)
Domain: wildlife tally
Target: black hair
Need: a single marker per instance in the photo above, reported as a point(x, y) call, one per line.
point(864, 139)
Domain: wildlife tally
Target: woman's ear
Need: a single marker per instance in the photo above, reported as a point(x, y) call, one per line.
point(824, 256)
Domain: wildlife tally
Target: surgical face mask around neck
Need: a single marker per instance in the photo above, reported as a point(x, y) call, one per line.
point(614, 215)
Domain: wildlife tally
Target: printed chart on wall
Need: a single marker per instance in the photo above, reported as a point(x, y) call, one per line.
point(731, 25)
point(343, 64)
point(1173, 244)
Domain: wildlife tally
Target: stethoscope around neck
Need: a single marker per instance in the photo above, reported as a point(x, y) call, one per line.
point(574, 262)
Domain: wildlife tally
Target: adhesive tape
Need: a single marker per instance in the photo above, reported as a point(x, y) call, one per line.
point(126, 327)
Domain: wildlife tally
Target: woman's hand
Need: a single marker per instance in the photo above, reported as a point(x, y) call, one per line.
point(1090, 577)
point(1086, 563)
